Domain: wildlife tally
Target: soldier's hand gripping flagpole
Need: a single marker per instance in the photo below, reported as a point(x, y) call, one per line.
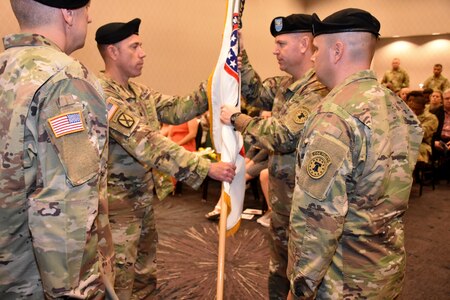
point(224, 88)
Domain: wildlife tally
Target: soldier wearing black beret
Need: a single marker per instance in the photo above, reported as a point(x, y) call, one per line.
point(292, 97)
point(68, 4)
point(138, 153)
point(112, 33)
point(290, 24)
point(354, 172)
point(54, 227)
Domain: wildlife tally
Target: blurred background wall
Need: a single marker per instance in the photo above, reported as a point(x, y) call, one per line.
point(182, 38)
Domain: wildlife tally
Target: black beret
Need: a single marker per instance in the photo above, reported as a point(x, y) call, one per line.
point(290, 24)
point(112, 33)
point(69, 4)
point(346, 20)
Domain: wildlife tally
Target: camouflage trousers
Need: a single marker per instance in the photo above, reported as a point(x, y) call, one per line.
point(278, 282)
point(135, 240)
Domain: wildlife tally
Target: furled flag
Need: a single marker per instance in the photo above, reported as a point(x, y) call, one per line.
point(224, 88)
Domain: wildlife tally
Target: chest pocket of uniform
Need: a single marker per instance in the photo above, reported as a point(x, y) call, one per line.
point(69, 132)
point(324, 157)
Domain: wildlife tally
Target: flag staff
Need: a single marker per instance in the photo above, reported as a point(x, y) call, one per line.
point(225, 198)
point(221, 255)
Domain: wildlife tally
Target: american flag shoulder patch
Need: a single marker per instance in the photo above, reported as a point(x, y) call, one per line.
point(111, 108)
point(66, 123)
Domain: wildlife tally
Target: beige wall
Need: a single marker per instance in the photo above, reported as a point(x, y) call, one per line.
point(182, 38)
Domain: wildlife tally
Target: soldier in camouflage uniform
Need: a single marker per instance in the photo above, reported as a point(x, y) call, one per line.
point(55, 236)
point(396, 78)
point(428, 122)
point(357, 154)
point(437, 82)
point(137, 150)
point(291, 99)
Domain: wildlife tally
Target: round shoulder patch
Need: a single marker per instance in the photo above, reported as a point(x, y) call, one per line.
point(318, 164)
point(125, 120)
point(301, 115)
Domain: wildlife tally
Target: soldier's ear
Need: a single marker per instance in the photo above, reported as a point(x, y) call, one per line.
point(338, 51)
point(112, 51)
point(68, 16)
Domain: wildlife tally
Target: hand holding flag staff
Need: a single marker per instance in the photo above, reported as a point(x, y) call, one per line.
point(224, 88)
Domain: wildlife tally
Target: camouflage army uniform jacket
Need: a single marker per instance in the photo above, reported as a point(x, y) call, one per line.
point(291, 103)
point(136, 148)
point(399, 79)
point(55, 235)
point(429, 124)
point(437, 84)
point(352, 188)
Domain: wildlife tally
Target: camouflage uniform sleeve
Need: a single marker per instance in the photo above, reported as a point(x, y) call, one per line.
point(319, 203)
point(405, 82)
point(429, 126)
point(65, 205)
point(152, 149)
point(178, 110)
point(255, 92)
point(279, 134)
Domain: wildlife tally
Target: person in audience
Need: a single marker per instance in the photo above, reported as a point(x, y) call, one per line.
point(291, 98)
point(404, 93)
point(428, 122)
point(441, 138)
point(264, 182)
point(437, 81)
point(137, 150)
point(353, 172)
point(396, 78)
point(436, 100)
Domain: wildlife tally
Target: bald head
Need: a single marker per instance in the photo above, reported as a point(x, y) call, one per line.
point(339, 55)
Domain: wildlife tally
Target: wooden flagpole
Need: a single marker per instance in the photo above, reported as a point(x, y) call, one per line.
point(224, 214)
point(222, 238)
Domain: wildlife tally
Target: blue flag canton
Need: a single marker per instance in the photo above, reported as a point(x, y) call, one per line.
point(73, 118)
point(231, 62)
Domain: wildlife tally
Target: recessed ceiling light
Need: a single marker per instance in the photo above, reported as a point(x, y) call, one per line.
point(395, 36)
point(435, 33)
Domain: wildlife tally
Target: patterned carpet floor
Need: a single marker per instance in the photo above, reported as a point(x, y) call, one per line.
point(188, 243)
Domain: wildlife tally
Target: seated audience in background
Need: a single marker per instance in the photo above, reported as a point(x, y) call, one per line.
point(428, 122)
point(264, 182)
point(441, 138)
point(184, 134)
point(437, 82)
point(396, 78)
point(435, 100)
point(426, 93)
point(403, 93)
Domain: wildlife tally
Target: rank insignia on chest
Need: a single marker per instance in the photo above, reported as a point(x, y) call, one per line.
point(301, 115)
point(125, 120)
point(318, 164)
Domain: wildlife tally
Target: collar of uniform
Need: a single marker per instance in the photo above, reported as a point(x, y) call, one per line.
point(361, 75)
point(27, 39)
point(126, 93)
point(301, 82)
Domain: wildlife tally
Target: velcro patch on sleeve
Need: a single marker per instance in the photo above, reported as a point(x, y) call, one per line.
point(324, 156)
point(112, 109)
point(66, 123)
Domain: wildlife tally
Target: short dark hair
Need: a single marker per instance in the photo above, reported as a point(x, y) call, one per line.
point(438, 65)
